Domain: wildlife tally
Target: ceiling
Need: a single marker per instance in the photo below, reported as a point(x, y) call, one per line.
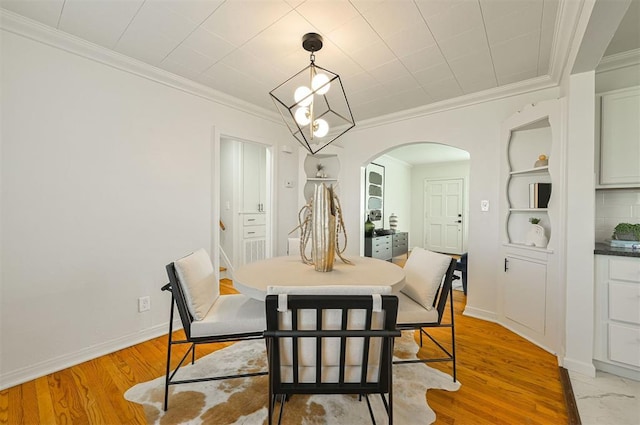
point(391, 55)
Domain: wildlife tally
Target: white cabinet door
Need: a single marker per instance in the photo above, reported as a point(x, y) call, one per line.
point(253, 177)
point(525, 293)
point(620, 137)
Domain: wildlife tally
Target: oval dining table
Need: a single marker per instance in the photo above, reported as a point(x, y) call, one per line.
point(253, 279)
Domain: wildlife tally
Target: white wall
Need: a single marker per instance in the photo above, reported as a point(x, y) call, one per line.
point(580, 216)
point(474, 128)
point(106, 177)
point(438, 171)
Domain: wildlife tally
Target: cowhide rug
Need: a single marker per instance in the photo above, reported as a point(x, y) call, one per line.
point(244, 400)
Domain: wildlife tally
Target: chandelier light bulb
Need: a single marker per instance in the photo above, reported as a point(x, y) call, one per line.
point(302, 96)
point(302, 116)
point(320, 128)
point(320, 83)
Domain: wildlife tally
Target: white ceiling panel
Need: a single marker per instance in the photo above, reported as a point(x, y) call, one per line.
point(157, 18)
point(389, 71)
point(284, 37)
point(423, 59)
point(497, 10)
point(464, 44)
point(517, 77)
point(190, 59)
point(327, 16)
point(391, 55)
point(101, 21)
point(443, 89)
point(207, 44)
point(353, 35)
point(433, 74)
point(195, 10)
point(430, 8)
point(526, 18)
point(410, 39)
point(460, 17)
point(390, 18)
point(373, 55)
point(474, 70)
point(405, 83)
point(239, 21)
point(507, 59)
point(47, 12)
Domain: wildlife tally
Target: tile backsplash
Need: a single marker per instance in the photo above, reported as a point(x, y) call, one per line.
point(615, 206)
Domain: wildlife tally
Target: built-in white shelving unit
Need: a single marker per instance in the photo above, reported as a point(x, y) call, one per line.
point(530, 287)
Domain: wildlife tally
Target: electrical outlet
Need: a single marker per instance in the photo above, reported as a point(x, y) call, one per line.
point(484, 205)
point(144, 304)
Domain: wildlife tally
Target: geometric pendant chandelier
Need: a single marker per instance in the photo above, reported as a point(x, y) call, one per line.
point(313, 103)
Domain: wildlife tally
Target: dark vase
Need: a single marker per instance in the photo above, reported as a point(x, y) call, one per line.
point(368, 228)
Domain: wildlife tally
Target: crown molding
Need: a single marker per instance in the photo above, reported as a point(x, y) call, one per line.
point(28, 28)
point(510, 90)
point(619, 60)
point(567, 24)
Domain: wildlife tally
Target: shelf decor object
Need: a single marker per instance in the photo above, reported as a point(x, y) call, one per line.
point(393, 222)
point(313, 103)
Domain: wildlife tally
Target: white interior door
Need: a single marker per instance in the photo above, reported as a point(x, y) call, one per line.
point(443, 215)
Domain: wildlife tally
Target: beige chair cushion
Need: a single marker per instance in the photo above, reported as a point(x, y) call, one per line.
point(424, 272)
point(199, 283)
point(231, 314)
point(410, 311)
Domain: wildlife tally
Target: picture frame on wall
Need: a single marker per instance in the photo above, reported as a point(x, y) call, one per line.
point(374, 194)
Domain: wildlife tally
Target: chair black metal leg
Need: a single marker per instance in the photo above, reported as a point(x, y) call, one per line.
point(166, 382)
point(282, 401)
point(373, 419)
point(453, 334)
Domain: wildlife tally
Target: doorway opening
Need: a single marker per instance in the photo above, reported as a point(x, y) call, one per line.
point(425, 195)
point(245, 229)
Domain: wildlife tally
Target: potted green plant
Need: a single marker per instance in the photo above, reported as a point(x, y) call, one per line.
point(534, 220)
point(627, 232)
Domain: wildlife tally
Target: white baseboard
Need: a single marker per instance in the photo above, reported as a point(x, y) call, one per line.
point(572, 365)
point(477, 313)
point(62, 362)
point(617, 370)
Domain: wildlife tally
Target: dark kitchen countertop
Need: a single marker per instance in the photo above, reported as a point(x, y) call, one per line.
point(605, 249)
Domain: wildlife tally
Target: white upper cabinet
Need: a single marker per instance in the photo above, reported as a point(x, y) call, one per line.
point(619, 151)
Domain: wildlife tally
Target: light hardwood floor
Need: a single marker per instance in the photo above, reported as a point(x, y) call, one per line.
point(505, 380)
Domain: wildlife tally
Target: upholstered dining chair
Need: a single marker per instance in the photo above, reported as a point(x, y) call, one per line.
point(423, 299)
point(330, 340)
point(206, 315)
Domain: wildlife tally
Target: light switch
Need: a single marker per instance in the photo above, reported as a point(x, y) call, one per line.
point(484, 205)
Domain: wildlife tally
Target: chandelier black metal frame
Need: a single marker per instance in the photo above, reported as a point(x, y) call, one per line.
point(313, 103)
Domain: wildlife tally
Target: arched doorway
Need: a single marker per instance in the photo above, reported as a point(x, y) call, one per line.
point(423, 183)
